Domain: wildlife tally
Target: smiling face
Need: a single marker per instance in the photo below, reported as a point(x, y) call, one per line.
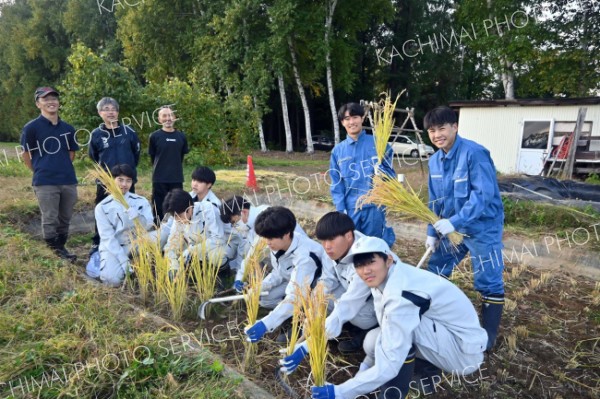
point(166, 117)
point(352, 124)
point(444, 136)
point(124, 183)
point(338, 247)
point(48, 105)
point(110, 115)
point(375, 272)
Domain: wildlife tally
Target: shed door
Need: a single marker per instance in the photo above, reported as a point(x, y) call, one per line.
point(536, 142)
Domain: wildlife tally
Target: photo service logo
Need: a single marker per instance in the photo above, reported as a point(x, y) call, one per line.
point(440, 41)
point(103, 5)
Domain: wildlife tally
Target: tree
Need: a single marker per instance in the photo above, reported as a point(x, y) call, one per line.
point(91, 77)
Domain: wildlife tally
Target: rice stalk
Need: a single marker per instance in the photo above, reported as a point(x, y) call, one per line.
point(255, 255)
point(204, 266)
point(108, 181)
point(297, 318)
point(171, 285)
point(256, 275)
point(383, 123)
point(402, 199)
point(314, 306)
point(143, 248)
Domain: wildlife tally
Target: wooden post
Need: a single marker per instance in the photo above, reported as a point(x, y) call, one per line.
point(570, 162)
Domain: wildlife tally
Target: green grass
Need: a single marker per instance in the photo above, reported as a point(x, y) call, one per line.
point(535, 217)
point(76, 340)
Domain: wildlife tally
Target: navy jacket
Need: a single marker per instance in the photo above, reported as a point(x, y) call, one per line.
point(114, 147)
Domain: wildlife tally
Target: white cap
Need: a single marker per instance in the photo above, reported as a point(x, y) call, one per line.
point(366, 245)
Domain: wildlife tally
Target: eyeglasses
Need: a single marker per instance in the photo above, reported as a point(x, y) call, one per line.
point(48, 99)
point(109, 109)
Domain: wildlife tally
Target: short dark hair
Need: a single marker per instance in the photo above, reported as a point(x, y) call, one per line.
point(334, 224)
point(122, 170)
point(233, 207)
point(353, 109)
point(368, 257)
point(275, 222)
point(177, 201)
point(204, 174)
point(439, 116)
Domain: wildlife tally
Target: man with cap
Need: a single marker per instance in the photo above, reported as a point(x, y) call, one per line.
point(419, 314)
point(48, 150)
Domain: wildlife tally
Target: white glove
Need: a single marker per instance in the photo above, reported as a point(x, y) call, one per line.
point(377, 169)
point(444, 227)
point(431, 242)
point(132, 213)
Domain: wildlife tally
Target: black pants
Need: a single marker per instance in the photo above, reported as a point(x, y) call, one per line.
point(159, 192)
point(100, 195)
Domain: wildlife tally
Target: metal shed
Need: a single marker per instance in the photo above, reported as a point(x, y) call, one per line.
point(520, 134)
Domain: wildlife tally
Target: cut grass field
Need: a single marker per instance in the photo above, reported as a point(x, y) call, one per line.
point(52, 319)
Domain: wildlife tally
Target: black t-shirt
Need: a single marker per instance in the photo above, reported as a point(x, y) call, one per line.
point(166, 151)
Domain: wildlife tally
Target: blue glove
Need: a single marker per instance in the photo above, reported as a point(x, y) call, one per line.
point(238, 285)
point(290, 363)
point(444, 227)
point(256, 332)
point(324, 392)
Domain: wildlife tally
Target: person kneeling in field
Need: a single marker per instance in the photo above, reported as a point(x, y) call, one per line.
point(241, 215)
point(297, 262)
point(116, 226)
point(420, 314)
point(187, 230)
point(353, 300)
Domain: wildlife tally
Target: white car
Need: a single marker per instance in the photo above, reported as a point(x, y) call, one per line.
point(404, 146)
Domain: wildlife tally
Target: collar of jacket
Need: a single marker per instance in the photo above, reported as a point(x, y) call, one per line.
point(284, 254)
point(382, 286)
point(360, 137)
point(454, 149)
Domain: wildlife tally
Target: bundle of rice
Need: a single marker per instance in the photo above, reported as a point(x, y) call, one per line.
point(402, 199)
point(314, 306)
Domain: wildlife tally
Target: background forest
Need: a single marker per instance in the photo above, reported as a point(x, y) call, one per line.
point(264, 74)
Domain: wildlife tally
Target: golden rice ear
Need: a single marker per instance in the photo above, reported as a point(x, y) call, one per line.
point(254, 275)
point(383, 123)
point(314, 306)
point(403, 200)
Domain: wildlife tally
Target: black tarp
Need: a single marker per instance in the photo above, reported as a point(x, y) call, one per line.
point(557, 189)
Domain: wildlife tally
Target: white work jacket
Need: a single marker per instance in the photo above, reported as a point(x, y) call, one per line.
point(298, 266)
point(115, 227)
point(408, 294)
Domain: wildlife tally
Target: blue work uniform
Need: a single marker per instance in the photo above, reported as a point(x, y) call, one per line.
point(463, 189)
point(352, 166)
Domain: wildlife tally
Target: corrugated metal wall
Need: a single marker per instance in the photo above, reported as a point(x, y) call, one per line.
point(499, 128)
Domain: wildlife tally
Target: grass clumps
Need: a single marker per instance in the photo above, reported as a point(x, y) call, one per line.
point(62, 337)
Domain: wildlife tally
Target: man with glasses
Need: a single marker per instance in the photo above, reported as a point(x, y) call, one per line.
point(48, 150)
point(352, 166)
point(112, 144)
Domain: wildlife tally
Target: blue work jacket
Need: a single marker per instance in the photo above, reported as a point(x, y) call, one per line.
point(463, 188)
point(352, 166)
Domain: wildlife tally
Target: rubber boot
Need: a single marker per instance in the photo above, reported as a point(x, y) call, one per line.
point(61, 240)
point(397, 388)
point(491, 312)
point(425, 373)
